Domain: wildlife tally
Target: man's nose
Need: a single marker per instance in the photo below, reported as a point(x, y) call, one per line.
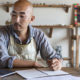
point(17, 19)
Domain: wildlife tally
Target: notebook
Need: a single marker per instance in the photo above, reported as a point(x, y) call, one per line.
point(36, 73)
point(30, 73)
point(4, 72)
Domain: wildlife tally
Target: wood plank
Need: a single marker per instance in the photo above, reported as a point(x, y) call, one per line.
point(77, 49)
point(51, 31)
point(41, 5)
point(66, 58)
point(71, 44)
point(53, 26)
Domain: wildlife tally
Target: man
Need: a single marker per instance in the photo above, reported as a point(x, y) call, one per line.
point(20, 42)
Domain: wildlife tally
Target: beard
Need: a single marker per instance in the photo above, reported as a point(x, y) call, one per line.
point(17, 26)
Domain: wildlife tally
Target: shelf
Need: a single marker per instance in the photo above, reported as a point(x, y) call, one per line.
point(53, 26)
point(66, 58)
point(65, 7)
point(52, 5)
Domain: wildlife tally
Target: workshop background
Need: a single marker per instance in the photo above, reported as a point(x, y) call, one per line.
point(49, 16)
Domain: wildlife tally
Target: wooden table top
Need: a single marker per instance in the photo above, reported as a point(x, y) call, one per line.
point(15, 76)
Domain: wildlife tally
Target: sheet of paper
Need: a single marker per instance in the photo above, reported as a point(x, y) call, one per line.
point(34, 74)
point(75, 78)
point(65, 77)
point(59, 72)
point(31, 73)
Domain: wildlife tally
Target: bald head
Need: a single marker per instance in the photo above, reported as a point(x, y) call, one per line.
point(23, 5)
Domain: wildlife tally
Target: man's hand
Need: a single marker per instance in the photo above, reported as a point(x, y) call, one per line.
point(55, 64)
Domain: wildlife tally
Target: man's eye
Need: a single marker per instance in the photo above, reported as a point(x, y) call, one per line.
point(13, 15)
point(22, 16)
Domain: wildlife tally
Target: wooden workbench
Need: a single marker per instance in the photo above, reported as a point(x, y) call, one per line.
point(17, 77)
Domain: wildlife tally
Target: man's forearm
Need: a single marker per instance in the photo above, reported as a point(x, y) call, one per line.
point(23, 63)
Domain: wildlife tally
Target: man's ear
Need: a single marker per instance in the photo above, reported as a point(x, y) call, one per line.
point(33, 17)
